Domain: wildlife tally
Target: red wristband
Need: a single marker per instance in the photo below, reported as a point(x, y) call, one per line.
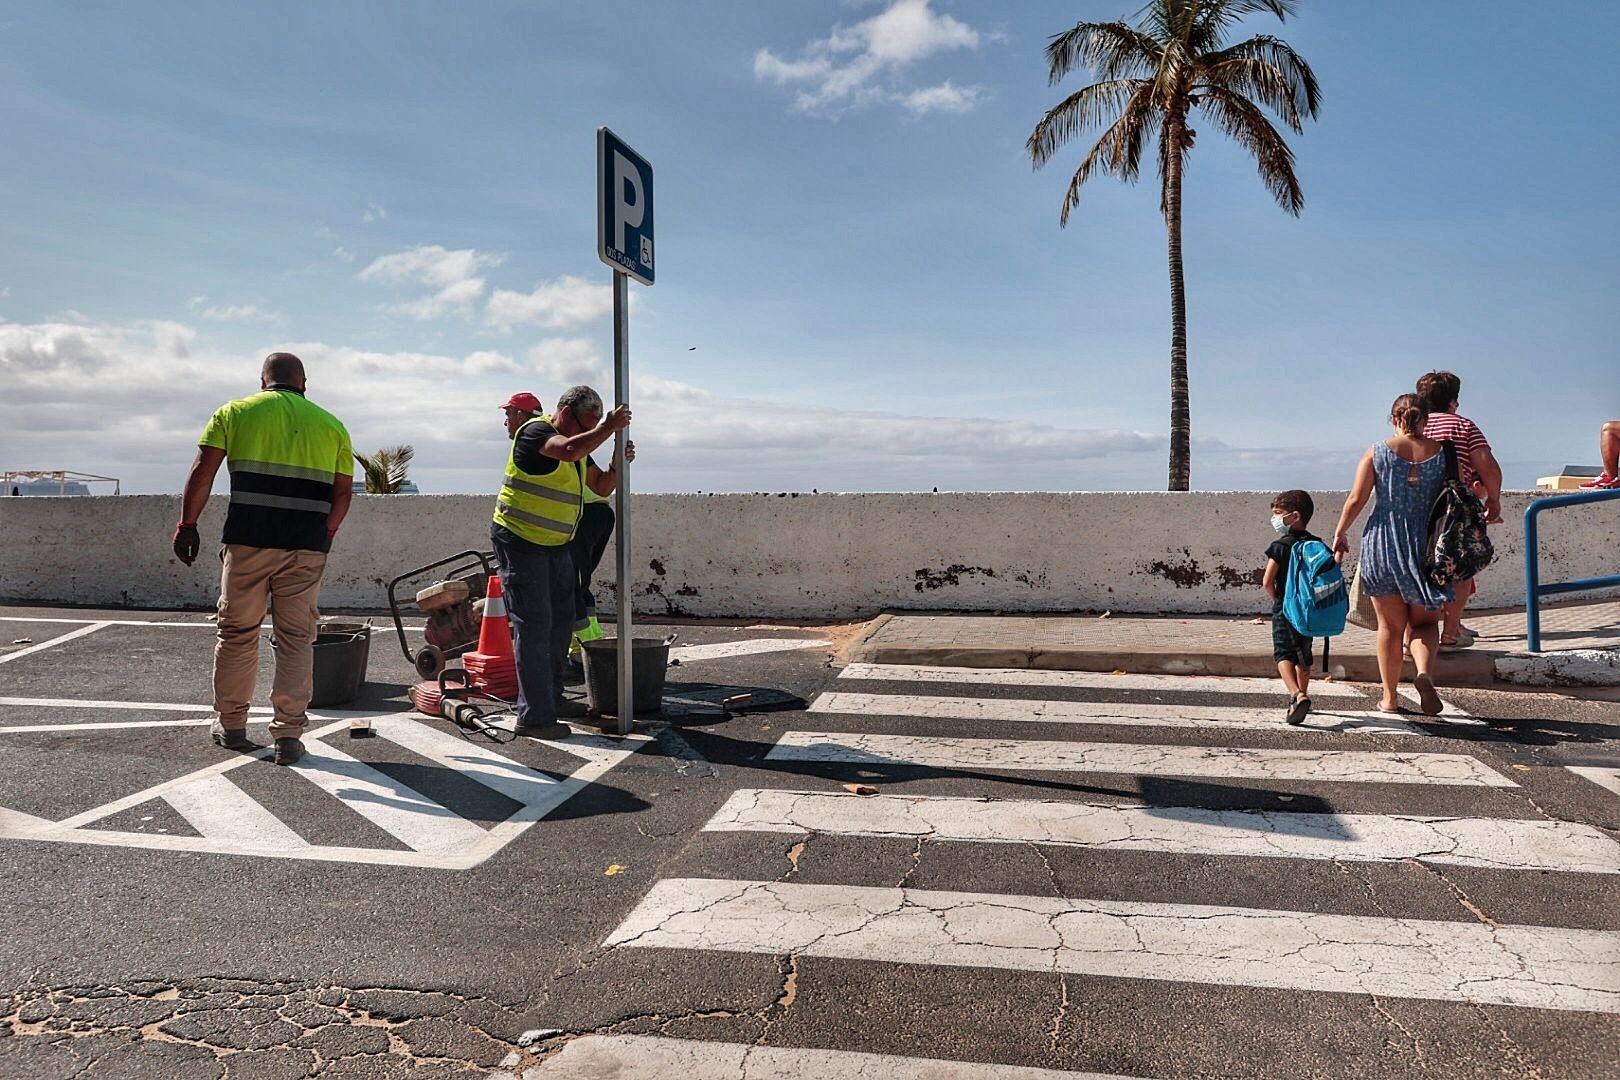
point(330, 533)
point(186, 525)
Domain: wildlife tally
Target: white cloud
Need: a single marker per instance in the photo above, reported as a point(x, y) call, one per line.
point(565, 362)
point(563, 303)
point(863, 63)
point(455, 275)
point(374, 213)
point(343, 253)
point(232, 312)
point(946, 97)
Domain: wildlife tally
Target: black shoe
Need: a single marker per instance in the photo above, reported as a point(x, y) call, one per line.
point(554, 730)
point(1297, 711)
point(232, 738)
point(289, 751)
point(571, 709)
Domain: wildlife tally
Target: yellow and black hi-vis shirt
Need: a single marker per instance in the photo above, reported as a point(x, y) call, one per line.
point(284, 453)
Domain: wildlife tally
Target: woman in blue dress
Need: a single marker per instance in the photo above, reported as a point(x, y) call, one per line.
point(1407, 472)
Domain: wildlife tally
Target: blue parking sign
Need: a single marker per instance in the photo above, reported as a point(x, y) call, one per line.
point(624, 207)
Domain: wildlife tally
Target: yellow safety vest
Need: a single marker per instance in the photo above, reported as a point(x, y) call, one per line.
point(542, 509)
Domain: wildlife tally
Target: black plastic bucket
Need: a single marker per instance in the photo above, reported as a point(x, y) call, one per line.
point(649, 658)
point(342, 653)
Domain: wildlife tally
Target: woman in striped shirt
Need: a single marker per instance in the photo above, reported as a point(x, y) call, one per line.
point(1477, 465)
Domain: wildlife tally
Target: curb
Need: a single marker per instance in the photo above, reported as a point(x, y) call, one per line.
point(1456, 669)
point(1571, 667)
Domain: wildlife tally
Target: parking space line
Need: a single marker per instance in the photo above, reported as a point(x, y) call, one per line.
point(103, 622)
point(52, 642)
point(220, 810)
point(159, 790)
point(396, 808)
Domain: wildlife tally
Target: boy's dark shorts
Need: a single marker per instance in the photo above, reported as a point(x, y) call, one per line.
point(1289, 644)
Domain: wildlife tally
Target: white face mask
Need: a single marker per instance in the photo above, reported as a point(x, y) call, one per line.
point(1278, 525)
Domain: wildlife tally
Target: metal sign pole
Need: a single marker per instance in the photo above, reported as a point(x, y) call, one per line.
point(621, 502)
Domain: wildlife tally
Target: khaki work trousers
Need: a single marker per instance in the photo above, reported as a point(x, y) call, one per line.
point(289, 583)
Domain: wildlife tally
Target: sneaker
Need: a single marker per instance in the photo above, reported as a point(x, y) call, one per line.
point(1297, 711)
point(572, 709)
point(1602, 483)
point(232, 738)
point(554, 730)
point(289, 751)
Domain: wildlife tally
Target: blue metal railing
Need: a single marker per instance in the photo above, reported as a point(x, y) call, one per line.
point(1534, 590)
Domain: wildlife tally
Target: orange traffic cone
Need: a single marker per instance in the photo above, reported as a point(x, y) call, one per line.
point(495, 635)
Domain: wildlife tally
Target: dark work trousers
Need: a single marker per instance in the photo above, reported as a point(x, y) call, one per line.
point(587, 548)
point(539, 586)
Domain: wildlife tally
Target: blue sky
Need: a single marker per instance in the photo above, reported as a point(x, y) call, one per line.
point(861, 283)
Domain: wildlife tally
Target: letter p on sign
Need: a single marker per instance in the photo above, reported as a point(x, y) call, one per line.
point(624, 208)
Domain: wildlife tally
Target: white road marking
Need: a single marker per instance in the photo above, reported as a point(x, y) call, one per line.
point(1496, 843)
point(654, 1057)
point(396, 808)
point(686, 654)
point(1028, 755)
point(51, 643)
point(220, 810)
point(1092, 680)
point(103, 622)
point(1528, 966)
point(1603, 778)
point(21, 729)
point(1147, 714)
point(451, 842)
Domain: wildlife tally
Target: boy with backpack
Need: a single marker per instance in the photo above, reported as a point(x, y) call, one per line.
point(1308, 597)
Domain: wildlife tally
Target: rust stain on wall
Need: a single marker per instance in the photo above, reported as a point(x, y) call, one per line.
point(951, 575)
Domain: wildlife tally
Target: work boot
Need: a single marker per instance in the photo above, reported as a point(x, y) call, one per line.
point(289, 751)
point(571, 709)
point(554, 730)
point(231, 738)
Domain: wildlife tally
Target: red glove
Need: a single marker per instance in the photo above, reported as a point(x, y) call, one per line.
point(186, 542)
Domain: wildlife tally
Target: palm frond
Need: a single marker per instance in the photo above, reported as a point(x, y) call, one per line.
point(1247, 126)
point(1079, 111)
point(1215, 18)
point(1119, 150)
point(1272, 73)
point(386, 470)
point(1108, 50)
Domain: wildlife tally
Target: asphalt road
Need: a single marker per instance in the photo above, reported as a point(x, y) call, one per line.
point(1129, 877)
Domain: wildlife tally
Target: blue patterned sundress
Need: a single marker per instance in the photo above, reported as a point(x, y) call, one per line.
point(1398, 529)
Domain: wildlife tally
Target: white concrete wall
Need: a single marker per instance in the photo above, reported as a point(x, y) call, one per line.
point(807, 556)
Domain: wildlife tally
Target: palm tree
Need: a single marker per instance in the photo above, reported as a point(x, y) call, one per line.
point(386, 469)
point(1152, 75)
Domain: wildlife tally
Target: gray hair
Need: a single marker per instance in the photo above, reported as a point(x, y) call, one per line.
point(581, 399)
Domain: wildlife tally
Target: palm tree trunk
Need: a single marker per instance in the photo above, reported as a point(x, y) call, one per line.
point(1180, 401)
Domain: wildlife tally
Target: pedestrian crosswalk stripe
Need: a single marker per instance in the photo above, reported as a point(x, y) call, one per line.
point(718, 650)
point(1604, 778)
point(1148, 714)
point(1529, 966)
point(1496, 843)
point(220, 810)
point(1091, 680)
point(655, 1057)
point(1029, 755)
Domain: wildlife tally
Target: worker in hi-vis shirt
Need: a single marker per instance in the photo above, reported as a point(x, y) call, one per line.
point(292, 475)
point(537, 515)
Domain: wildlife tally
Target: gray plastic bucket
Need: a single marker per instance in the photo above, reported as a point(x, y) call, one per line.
point(342, 653)
point(649, 658)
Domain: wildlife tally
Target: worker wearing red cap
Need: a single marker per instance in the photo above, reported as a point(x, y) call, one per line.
point(520, 409)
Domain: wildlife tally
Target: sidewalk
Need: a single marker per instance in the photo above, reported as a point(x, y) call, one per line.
point(1202, 645)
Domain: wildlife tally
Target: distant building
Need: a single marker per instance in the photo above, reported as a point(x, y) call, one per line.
point(54, 482)
point(408, 488)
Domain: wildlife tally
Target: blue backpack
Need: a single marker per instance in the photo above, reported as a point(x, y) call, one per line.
point(1315, 599)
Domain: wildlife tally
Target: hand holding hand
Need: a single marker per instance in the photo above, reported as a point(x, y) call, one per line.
point(186, 542)
point(1341, 546)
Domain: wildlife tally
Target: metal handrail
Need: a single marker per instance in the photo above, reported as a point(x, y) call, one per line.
point(1534, 590)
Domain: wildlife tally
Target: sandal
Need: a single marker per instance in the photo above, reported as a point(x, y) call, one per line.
point(1463, 640)
point(1399, 710)
point(1428, 698)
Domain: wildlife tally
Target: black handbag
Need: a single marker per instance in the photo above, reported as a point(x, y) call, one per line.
point(1458, 546)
